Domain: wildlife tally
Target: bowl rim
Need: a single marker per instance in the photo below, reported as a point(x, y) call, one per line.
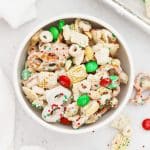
point(55, 128)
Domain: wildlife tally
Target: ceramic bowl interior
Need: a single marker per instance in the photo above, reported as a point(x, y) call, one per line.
point(126, 63)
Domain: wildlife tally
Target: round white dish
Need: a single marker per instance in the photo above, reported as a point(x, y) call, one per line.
point(124, 56)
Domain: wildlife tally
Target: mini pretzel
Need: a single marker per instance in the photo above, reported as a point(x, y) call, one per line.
point(142, 83)
point(43, 61)
point(52, 113)
point(123, 78)
point(58, 95)
point(61, 50)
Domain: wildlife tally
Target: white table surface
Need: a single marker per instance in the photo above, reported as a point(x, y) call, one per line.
point(27, 130)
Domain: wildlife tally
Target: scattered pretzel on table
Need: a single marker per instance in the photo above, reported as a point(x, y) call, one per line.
point(141, 85)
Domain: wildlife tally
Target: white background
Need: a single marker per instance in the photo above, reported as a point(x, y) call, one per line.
point(27, 130)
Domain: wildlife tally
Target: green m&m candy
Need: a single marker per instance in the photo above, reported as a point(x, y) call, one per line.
point(26, 74)
point(114, 77)
point(91, 66)
point(83, 100)
point(55, 33)
point(61, 24)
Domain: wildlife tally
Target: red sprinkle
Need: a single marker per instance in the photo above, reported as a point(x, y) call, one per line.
point(54, 106)
point(146, 124)
point(105, 82)
point(64, 81)
point(65, 121)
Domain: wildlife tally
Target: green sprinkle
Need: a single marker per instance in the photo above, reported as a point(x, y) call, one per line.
point(48, 115)
point(65, 96)
point(101, 106)
point(114, 36)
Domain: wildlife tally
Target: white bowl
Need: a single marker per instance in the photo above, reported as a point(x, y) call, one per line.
point(126, 90)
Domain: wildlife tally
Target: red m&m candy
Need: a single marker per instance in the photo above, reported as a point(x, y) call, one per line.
point(64, 81)
point(146, 124)
point(65, 121)
point(105, 82)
